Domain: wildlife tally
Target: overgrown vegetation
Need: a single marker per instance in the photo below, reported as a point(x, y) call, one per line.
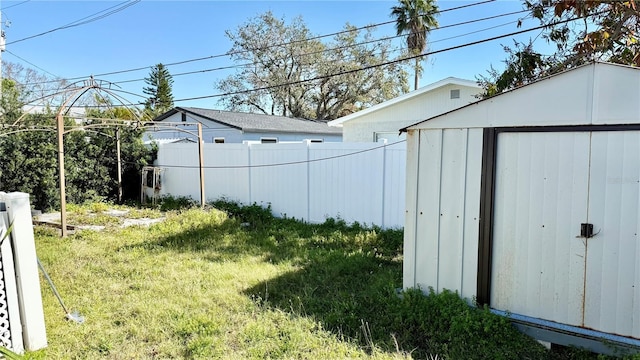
point(582, 30)
point(29, 152)
point(237, 283)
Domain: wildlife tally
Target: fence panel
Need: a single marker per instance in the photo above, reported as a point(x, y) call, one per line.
point(347, 183)
point(394, 185)
point(279, 178)
point(181, 176)
point(226, 172)
point(362, 182)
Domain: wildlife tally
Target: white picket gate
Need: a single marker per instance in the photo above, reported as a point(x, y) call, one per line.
point(362, 182)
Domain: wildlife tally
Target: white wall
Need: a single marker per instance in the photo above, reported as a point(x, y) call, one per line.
point(354, 182)
point(211, 130)
point(405, 113)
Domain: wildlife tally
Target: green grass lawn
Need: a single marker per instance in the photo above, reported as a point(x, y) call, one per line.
point(240, 284)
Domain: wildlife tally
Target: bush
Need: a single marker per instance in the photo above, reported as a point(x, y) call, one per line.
point(253, 216)
point(445, 324)
point(168, 203)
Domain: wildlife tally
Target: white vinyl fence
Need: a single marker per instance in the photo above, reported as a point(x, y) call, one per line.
point(362, 182)
point(22, 324)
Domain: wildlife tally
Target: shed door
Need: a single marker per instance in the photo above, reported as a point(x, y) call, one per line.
point(547, 184)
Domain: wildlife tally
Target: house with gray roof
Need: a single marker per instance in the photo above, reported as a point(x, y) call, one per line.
point(220, 126)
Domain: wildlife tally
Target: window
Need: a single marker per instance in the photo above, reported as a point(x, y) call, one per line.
point(455, 94)
point(268, 140)
point(390, 137)
point(218, 140)
point(183, 117)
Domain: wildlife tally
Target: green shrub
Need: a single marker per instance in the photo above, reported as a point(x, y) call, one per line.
point(445, 324)
point(253, 216)
point(168, 203)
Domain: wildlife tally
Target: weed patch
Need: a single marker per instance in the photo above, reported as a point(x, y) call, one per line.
point(237, 283)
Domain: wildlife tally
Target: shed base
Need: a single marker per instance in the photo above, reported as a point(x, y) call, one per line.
point(568, 335)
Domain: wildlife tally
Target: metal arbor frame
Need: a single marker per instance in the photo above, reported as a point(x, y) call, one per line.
point(76, 93)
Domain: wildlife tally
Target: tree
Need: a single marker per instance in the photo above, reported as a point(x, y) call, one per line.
point(582, 30)
point(28, 161)
point(34, 88)
point(100, 148)
point(607, 30)
point(159, 89)
point(416, 18)
point(523, 65)
point(11, 103)
point(285, 71)
point(28, 153)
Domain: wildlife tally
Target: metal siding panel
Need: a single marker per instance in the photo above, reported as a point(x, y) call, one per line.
point(451, 217)
point(428, 217)
point(564, 208)
point(635, 318)
point(609, 106)
point(411, 203)
point(612, 261)
point(471, 214)
point(503, 273)
point(541, 189)
point(565, 94)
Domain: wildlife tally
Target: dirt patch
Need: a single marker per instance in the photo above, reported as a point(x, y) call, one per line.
point(53, 219)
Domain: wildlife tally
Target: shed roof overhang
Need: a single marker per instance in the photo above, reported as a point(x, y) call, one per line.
point(593, 94)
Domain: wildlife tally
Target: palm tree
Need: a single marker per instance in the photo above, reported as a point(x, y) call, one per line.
point(416, 18)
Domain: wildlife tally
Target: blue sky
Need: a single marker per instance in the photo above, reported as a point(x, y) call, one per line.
point(151, 32)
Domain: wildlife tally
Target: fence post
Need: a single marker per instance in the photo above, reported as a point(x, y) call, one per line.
point(384, 175)
point(249, 170)
point(308, 219)
point(26, 270)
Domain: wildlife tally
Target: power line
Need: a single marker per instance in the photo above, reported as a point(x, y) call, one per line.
point(270, 46)
point(14, 5)
point(344, 72)
point(353, 45)
point(32, 64)
point(377, 65)
point(84, 20)
point(284, 163)
point(321, 51)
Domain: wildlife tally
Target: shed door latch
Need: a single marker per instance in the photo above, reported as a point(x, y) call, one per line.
point(586, 230)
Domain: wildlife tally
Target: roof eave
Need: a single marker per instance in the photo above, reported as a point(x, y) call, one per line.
point(404, 97)
point(593, 63)
point(253, 130)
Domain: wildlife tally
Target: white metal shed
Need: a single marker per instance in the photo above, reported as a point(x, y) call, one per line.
point(530, 202)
